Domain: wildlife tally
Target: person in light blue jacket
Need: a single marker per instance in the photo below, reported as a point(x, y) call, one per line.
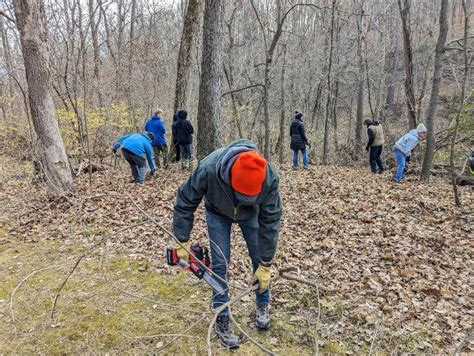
point(136, 149)
point(403, 147)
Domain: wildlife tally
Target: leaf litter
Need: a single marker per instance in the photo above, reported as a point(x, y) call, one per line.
point(394, 261)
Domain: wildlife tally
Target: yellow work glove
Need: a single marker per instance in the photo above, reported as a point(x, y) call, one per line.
point(263, 275)
point(181, 252)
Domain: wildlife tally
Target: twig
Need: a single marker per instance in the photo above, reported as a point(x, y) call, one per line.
point(152, 300)
point(53, 307)
point(23, 281)
point(174, 238)
point(251, 339)
point(185, 331)
point(224, 306)
point(304, 281)
point(373, 340)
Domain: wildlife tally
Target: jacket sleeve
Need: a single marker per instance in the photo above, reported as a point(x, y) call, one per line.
point(162, 127)
point(119, 141)
point(147, 126)
point(269, 224)
point(188, 198)
point(190, 128)
point(370, 134)
point(303, 134)
point(149, 156)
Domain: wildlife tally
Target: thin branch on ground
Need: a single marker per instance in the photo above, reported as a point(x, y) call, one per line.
point(53, 307)
point(23, 281)
point(251, 339)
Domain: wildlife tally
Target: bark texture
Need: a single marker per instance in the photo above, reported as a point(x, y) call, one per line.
point(408, 60)
point(210, 87)
point(188, 38)
point(33, 35)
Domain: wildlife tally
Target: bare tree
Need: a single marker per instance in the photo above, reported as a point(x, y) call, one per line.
point(433, 104)
point(328, 101)
point(188, 38)
point(408, 61)
point(33, 35)
point(210, 87)
point(457, 199)
point(360, 81)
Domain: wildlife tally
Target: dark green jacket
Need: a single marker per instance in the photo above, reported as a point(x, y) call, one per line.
point(206, 182)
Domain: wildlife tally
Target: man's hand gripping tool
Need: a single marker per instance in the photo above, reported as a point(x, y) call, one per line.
point(198, 254)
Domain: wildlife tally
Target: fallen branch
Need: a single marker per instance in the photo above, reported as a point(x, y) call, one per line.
point(23, 281)
point(251, 339)
point(53, 307)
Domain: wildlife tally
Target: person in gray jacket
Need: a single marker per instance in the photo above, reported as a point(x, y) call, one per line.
point(238, 186)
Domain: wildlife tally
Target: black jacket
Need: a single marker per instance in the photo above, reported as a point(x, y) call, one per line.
point(298, 136)
point(206, 183)
point(183, 131)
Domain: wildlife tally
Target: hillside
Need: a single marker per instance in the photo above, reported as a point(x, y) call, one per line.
point(392, 263)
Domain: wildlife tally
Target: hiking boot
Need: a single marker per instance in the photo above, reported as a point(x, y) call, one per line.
point(226, 337)
point(262, 317)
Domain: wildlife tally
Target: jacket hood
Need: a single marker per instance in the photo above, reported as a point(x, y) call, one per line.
point(230, 154)
point(182, 115)
point(375, 123)
point(155, 117)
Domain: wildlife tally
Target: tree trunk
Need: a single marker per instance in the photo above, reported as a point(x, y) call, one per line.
point(328, 101)
point(210, 87)
point(393, 69)
point(360, 87)
point(30, 18)
point(188, 38)
point(431, 112)
point(457, 199)
point(281, 141)
point(408, 61)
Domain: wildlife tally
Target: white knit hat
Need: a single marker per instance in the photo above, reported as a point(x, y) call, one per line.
point(421, 128)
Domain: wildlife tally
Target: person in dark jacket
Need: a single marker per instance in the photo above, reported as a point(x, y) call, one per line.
point(298, 140)
point(184, 138)
point(135, 148)
point(174, 138)
point(238, 186)
point(375, 144)
point(157, 128)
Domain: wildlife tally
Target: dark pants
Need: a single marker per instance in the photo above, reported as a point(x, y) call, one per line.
point(160, 150)
point(219, 228)
point(137, 165)
point(186, 155)
point(375, 161)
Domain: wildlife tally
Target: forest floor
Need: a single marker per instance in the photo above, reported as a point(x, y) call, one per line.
point(393, 263)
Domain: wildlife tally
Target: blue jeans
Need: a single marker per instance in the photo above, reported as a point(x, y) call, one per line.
point(219, 228)
point(305, 157)
point(137, 165)
point(401, 163)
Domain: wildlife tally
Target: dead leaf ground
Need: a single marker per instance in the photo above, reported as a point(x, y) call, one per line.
point(394, 261)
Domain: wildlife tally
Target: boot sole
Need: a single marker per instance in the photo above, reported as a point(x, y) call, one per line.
point(266, 327)
point(228, 347)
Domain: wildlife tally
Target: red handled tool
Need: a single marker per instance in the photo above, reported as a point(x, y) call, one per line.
point(201, 254)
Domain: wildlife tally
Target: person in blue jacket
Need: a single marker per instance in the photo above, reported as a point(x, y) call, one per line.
point(136, 149)
point(403, 147)
point(157, 128)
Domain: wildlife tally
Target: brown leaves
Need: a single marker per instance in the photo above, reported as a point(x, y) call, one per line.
point(395, 257)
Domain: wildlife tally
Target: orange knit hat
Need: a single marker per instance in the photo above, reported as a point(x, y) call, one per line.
point(248, 173)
